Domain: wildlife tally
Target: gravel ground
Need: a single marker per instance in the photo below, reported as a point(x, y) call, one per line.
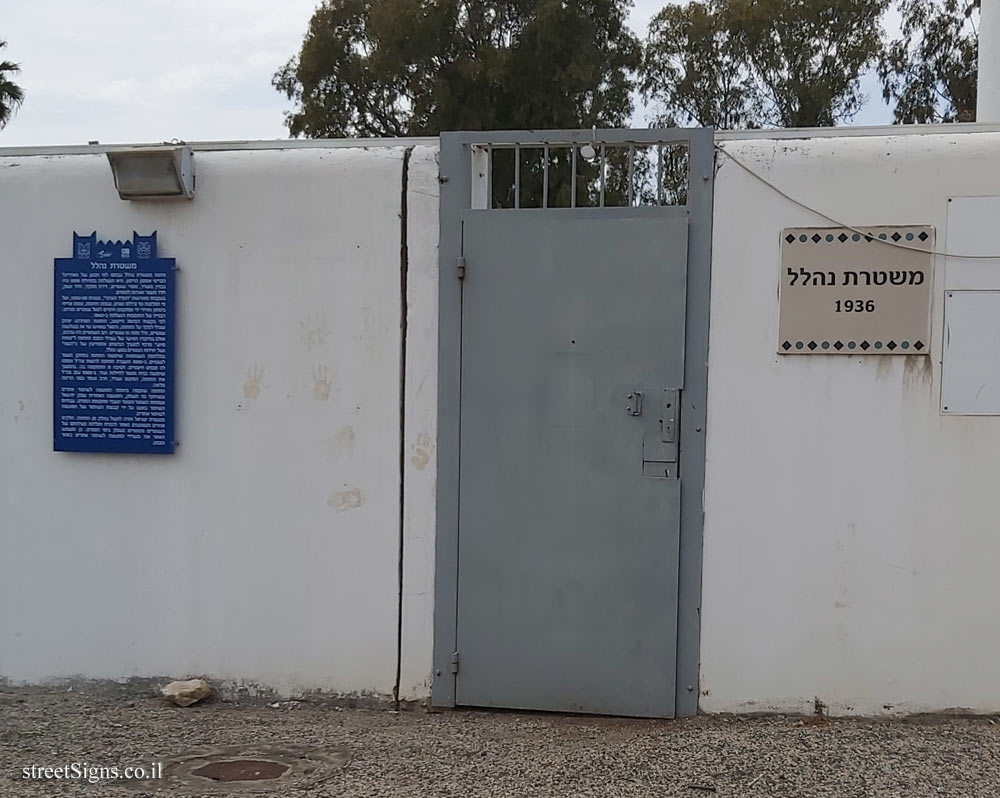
point(416, 753)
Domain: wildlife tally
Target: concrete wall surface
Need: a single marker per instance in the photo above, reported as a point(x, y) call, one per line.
point(850, 527)
point(850, 524)
point(266, 550)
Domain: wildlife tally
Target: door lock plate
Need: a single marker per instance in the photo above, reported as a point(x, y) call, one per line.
point(655, 470)
point(659, 446)
point(634, 406)
point(670, 410)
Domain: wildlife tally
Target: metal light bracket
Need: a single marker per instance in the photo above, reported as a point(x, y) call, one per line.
point(150, 173)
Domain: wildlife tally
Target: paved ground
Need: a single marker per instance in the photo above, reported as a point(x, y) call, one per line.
point(356, 752)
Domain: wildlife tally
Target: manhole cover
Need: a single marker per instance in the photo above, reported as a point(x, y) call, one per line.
point(241, 770)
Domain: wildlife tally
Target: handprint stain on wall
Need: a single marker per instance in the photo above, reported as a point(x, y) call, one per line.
point(313, 330)
point(422, 451)
point(322, 384)
point(343, 442)
point(347, 499)
point(251, 388)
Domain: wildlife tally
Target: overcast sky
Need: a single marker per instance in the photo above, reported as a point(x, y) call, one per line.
point(119, 71)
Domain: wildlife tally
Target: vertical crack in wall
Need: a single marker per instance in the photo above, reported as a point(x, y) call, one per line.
point(404, 266)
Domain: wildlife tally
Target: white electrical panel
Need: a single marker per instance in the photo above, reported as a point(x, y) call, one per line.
point(970, 370)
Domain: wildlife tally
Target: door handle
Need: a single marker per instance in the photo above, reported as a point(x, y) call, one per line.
point(634, 406)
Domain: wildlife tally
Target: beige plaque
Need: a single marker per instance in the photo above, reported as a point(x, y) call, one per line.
point(851, 294)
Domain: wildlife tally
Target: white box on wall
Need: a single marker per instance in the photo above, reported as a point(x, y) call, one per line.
point(970, 370)
point(974, 236)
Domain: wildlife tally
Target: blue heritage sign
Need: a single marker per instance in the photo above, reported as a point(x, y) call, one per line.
point(114, 347)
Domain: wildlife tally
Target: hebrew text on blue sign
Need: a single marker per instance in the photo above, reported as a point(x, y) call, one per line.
point(114, 347)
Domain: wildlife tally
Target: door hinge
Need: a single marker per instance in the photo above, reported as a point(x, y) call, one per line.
point(461, 269)
point(454, 662)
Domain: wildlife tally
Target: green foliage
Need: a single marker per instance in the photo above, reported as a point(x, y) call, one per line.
point(756, 63)
point(11, 95)
point(930, 72)
point(695, 67)
point(417, 67)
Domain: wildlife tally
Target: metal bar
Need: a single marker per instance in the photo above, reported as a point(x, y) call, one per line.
point(517, 175)
point(479, 157)
point(659, 174)
point(603, 173)
point(679, 135)
point(545, 177)
point(489, 177)
point(223, 146)
point(456, 189)
point(621, 212)
point(631, 173)
point(692, 420)
point(862, 131)
point(572, 182)
point(566, 137)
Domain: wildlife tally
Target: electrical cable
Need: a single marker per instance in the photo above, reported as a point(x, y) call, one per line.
point(839, 223)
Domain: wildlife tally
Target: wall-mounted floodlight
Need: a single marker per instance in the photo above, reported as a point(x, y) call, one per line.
point(154, 173)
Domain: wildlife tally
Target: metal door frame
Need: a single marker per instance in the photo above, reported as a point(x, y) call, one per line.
point(462, 190)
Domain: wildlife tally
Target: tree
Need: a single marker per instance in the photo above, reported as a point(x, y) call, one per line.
point(755, 63)
point(696, 68)
point(11, 95)
point(930, 72)
point(417, 67)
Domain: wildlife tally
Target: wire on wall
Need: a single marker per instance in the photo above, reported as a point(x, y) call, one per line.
point(839, 223)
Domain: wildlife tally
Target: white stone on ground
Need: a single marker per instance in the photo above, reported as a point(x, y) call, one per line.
point(187, 692)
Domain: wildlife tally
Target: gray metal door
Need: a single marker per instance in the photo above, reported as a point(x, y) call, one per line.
point(568, 568)
point(572, 355)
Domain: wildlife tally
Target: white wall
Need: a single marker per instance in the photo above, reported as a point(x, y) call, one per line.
point(851, 530)
point(421, 425)
point(266, 548)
